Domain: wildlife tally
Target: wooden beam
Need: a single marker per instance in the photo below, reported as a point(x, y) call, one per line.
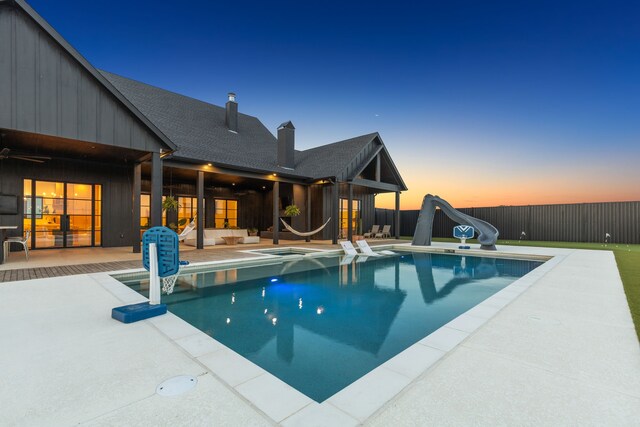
point(378, 174)
point(200, 210)
point(276, 212)
point(382, 186)
point(335, 212)
point(156, 190)
point(308, 238)
point(350, 212)
point(263, 176)
point(136, 189)
point(397, 216)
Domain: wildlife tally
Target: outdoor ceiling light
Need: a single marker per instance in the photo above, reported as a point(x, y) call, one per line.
point(209, 164)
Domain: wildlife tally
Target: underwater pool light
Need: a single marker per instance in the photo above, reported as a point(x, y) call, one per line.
point(274, 280)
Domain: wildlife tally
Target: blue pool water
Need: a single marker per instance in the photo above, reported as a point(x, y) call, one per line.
point(319, 326)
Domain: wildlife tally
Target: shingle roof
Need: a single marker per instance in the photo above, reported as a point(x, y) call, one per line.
point(199, 131)
point(331, 159)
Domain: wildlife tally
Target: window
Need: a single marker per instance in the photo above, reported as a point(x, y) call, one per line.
point(187, 211)
point(344, 217)
point(145, 211)
point(226, 213)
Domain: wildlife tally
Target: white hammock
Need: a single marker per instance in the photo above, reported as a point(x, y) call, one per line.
point(305, 234)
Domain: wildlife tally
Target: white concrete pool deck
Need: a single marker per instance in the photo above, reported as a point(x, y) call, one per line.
point(557, 347)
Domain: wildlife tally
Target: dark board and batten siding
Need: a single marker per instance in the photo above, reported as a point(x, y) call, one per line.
point(325, 193)
point(361, 160)
point(45, 90)
point(584, 222)
point(116, 184)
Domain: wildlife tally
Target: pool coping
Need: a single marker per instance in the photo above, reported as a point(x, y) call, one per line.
point(364, 397)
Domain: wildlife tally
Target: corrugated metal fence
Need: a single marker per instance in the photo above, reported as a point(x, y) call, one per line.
point(584, 222)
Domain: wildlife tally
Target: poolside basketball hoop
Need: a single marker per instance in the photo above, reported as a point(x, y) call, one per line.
point(463, 232)
point(160, 257)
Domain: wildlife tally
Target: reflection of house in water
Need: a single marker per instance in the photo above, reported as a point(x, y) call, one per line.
point(328, 300)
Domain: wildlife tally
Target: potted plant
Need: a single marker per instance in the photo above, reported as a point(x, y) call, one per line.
point(170, 203)
point(291, 210)
point(252, 231)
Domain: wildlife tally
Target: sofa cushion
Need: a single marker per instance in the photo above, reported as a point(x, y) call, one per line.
point(250, 239)
point(213, 236)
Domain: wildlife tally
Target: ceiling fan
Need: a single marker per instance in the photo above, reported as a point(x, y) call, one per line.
point(5, 153)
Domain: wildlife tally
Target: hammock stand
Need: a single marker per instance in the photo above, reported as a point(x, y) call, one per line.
point(306, 233)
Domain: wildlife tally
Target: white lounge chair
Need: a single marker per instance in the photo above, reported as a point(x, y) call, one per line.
point(188, 229)
point(366, 249)
point(386, 232)
point(373, 232)
point(348, 248)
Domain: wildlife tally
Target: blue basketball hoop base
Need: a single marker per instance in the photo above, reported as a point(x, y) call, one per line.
point(135, 312)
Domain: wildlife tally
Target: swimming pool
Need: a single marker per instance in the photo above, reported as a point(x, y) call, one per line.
point(319, 325)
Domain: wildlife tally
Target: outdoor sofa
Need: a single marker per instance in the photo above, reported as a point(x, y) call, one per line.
point(213, 236)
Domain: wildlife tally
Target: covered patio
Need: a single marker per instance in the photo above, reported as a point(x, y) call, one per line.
point(73, 261)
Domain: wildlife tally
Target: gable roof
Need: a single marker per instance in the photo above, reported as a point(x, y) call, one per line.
point(331, 159)
point(200, 132)
point(199, 128)
point(44, 25)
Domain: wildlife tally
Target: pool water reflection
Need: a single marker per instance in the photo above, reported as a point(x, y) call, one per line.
point(318, 325)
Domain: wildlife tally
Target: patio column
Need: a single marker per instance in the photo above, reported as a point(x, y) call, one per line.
point(156, 189)
point(276, 212)
point(308, 238)
point(200, 210)
point(335, 212)
point(136, 189)
point(350, 212)
point(396, 226)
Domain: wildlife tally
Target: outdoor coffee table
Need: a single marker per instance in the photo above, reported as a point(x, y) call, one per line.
point(231, 240)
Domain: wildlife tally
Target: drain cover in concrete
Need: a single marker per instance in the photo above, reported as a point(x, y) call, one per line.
point(177, 385)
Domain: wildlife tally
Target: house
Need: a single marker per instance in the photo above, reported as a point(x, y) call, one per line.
point(89, 155)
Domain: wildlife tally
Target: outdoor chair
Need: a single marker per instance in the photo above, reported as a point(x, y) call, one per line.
point(372, 233)
point(23, 241)
point(348, 248)
point(386, 232)
point(366, 249)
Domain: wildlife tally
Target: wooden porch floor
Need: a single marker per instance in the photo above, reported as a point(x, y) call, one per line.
point(67, 262)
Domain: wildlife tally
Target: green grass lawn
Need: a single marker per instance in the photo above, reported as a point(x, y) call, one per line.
point(627, 258)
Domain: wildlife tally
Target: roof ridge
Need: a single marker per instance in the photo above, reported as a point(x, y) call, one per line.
point(104, 72)
point(366, 135)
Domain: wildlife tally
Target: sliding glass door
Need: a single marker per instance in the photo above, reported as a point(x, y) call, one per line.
point(62, 214)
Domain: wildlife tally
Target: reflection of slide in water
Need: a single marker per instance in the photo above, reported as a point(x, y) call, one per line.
point(487, 233)
point(478, 269)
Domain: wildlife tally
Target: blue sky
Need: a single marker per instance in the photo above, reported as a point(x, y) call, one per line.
point(484, 103)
